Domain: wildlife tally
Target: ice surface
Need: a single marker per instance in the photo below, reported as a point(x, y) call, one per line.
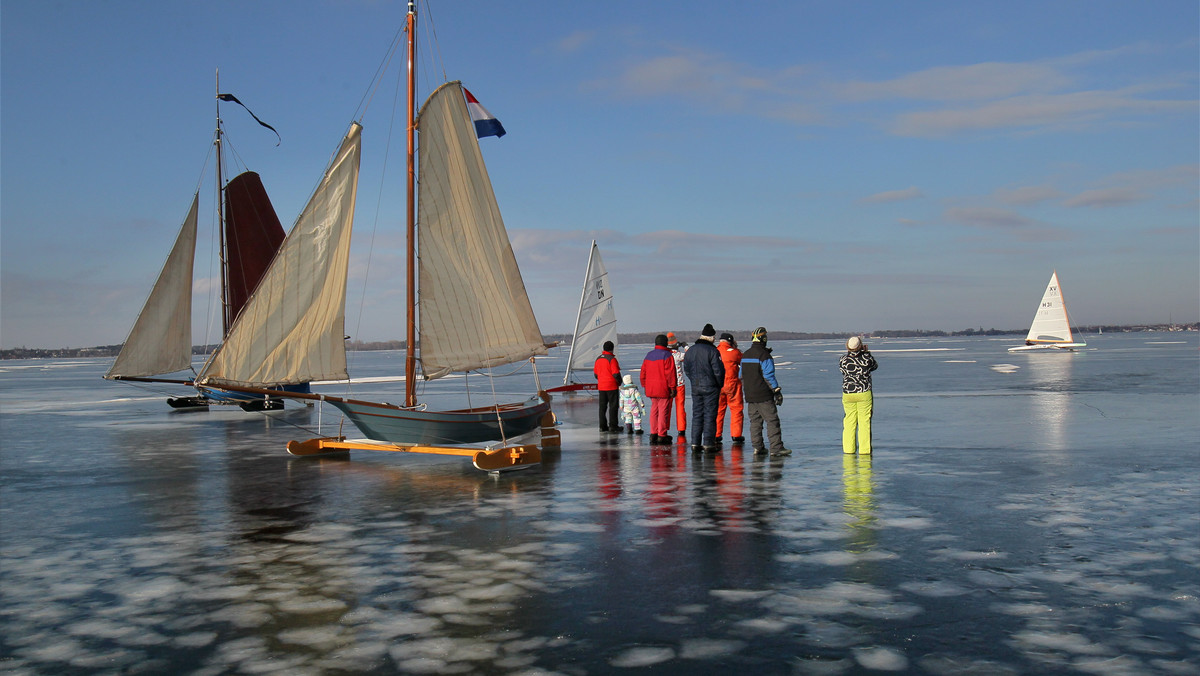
point(1037, 520)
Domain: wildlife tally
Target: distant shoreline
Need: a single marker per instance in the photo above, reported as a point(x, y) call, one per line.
point(632, 338)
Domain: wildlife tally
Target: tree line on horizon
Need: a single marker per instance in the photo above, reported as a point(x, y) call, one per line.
point(628, 338)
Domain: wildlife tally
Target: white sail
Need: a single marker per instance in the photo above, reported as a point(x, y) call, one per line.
point(292, 329)
point(473, 308)
point(161, 338)
point(1050, 324)
point(597, 320)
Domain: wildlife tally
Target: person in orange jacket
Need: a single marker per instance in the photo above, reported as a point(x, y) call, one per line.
point(608, 384)
point(731, 393)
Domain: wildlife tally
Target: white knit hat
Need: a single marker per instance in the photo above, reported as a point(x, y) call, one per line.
point(854, 343)
point(628, 379)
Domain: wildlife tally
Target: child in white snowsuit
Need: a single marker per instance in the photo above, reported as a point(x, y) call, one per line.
point(633, 406)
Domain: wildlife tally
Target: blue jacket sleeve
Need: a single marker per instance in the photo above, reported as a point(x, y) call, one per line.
point(768, 372)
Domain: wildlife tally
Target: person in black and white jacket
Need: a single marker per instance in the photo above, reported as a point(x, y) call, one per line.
point(857, 400)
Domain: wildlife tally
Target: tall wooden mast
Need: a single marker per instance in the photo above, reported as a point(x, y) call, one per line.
point(410, 357)
point(226, 320)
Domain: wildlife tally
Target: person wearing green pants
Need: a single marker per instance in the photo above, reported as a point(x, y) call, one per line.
point(856, 366)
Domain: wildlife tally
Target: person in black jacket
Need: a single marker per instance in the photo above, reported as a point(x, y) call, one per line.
point(763, 394)
point(703, 366)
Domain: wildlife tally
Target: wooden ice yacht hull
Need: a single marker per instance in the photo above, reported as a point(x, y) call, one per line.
point(467, 426)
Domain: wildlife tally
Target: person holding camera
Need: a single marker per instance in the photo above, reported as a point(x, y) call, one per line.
point(857, 400)
point(763, 395)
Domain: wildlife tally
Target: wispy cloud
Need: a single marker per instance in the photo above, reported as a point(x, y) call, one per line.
point(1024, 97)
point(717, 85)
point(1026, 195)
point(960, 83)
point(575, 42)
point(893, 196)
point(1073, 111)
point(986, 217)
point(1107, 197)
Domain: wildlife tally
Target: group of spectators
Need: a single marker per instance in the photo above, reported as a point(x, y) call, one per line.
point(724, 380)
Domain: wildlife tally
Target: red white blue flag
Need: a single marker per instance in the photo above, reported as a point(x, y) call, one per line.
point(485, 123)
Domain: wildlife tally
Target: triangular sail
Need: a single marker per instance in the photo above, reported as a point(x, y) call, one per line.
point(292, 329)
point(1050, 324)
point(473, 309)
point(161, 338)
point(597, 321)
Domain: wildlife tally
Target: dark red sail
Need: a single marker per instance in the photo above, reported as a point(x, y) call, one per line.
point(252, 236)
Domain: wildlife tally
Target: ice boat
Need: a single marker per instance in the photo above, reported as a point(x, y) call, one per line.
point(1051, 328)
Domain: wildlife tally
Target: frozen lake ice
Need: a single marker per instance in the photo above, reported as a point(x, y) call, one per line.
point(1023, 513)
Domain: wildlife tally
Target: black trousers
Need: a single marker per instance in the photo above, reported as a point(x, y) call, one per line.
point(608, 410)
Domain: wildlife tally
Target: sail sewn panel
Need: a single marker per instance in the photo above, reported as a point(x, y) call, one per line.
point(474, 310)
point(161, 338)
point(292, 329)
point(597, 322)
point(252, 236)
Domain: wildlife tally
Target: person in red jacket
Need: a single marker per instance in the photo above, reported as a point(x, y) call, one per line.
point(731, 393)
point(658, 381)
point(608, 383)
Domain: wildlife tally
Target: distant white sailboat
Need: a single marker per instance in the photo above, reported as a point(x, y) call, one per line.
point(595, 325)
point(1051, 328)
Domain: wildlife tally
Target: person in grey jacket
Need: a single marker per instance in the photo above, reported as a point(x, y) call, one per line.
point(763, 395)
point(703, 366)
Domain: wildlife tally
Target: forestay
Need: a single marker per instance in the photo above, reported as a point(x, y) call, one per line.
point(161, 338)
point(473, 308)
point(292, 330)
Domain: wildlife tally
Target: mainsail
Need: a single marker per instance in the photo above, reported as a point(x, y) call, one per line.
point(473, 310)
point(292, 329)
point(597, 320)
point(1050, 324)
point(161, 338)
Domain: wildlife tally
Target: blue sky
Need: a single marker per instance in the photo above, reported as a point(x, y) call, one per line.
point(808, 166)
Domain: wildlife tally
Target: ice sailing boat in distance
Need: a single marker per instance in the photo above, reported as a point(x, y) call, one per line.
point(473, 309)
point(595, 324)
point(1051, 328)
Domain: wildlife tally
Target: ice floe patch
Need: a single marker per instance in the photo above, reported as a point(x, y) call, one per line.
point(934, 589)
point(642, 656)
point(708, 648)
point(881, 658)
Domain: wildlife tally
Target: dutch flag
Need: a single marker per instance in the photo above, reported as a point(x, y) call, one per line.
point(485, 123)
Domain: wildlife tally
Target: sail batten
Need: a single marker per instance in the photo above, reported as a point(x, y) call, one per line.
point(474, 311)
point(161, 338)
point(291, 330)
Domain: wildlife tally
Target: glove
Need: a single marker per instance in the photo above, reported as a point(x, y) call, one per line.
point(778, 396)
